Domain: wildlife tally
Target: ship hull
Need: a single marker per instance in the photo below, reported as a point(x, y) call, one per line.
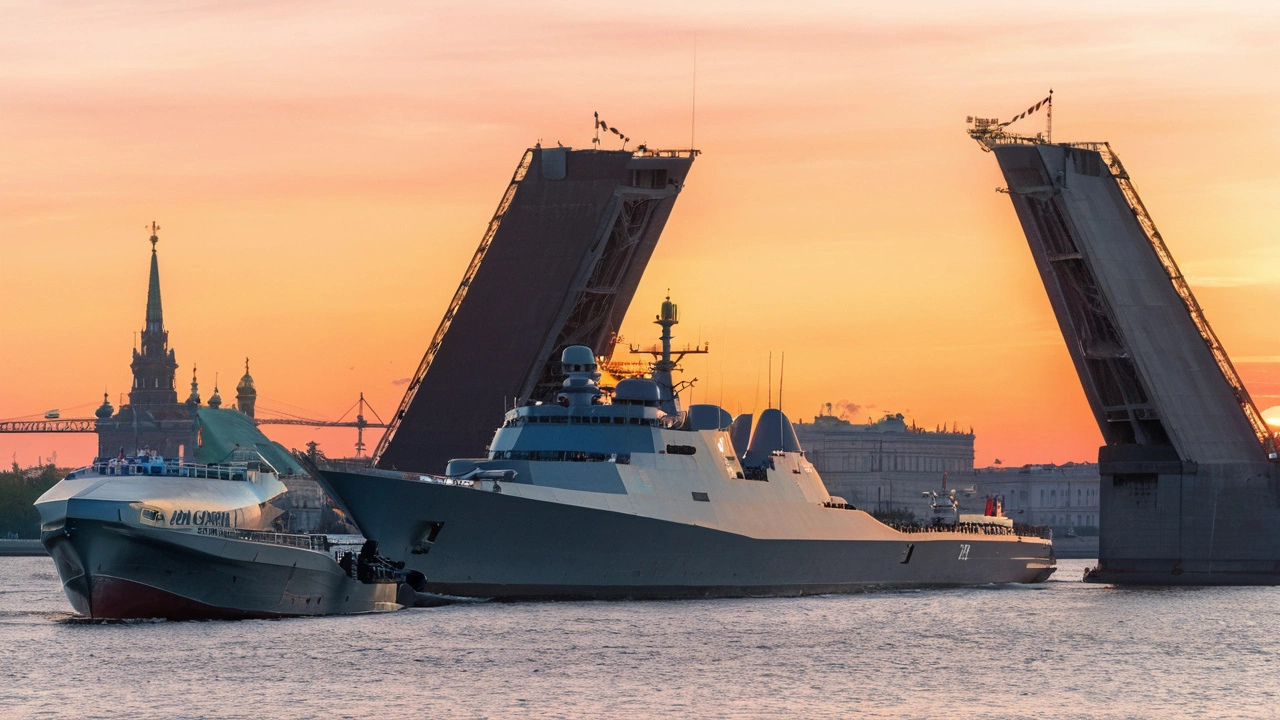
point(115, 571)
point(482, 543)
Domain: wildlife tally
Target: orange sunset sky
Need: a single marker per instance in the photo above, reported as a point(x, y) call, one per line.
point(322, 172)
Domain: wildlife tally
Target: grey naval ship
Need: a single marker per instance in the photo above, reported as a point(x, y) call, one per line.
point(626, 495)
point(149, 537)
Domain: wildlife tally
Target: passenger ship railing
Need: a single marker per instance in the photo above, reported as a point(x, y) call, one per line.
point(319, 543)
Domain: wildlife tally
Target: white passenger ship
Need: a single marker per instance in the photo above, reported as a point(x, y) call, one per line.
point(144, 537)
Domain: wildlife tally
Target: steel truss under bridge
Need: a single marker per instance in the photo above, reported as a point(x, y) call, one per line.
point(589, 317)
point(69, 425)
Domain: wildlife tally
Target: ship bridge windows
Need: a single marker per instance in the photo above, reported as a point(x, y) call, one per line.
point(561, 456)
point(582, 420)
point(601, 420)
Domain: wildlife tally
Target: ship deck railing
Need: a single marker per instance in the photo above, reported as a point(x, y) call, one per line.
point(170, 468)
point(1018, 529)
point(319, 543)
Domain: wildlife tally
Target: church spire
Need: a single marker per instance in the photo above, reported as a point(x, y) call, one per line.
point(215, 400)
point(194, 398)
point(154, 364)
point(155, 314)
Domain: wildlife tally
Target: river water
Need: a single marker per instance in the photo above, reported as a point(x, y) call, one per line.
point(1059, 649)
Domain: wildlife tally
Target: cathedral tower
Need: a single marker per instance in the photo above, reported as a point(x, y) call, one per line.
point(154, 365)
point(153, 419)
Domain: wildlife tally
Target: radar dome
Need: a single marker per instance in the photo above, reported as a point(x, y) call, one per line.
point(669, 311)
point(639, 391)
point(578, 358)
point(706, 417)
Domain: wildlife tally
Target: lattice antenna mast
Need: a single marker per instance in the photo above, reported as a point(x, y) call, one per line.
point(666, 361)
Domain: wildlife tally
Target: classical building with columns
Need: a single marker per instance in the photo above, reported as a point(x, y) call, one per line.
point(886, 464)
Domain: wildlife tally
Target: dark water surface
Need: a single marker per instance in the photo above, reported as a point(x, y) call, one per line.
point(1060, 649)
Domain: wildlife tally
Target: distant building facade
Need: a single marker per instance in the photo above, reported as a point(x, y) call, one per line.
point(1064, 497)
point(886, 464)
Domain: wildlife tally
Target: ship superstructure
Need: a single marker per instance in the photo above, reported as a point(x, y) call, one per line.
point(1189, 489)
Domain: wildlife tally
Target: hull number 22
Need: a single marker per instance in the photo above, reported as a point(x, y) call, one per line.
point(964, 552)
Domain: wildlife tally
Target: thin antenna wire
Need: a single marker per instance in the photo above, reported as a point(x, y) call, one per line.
point(782, 371)
point(755, 397)
point(693, 105)
point(721, 402)
point(771, 379)
point(782, 433)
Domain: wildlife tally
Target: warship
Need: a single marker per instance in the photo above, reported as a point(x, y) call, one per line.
point(150, 537)
point(621, 493)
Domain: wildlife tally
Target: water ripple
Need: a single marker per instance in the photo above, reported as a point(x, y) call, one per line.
point(1060, 649)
